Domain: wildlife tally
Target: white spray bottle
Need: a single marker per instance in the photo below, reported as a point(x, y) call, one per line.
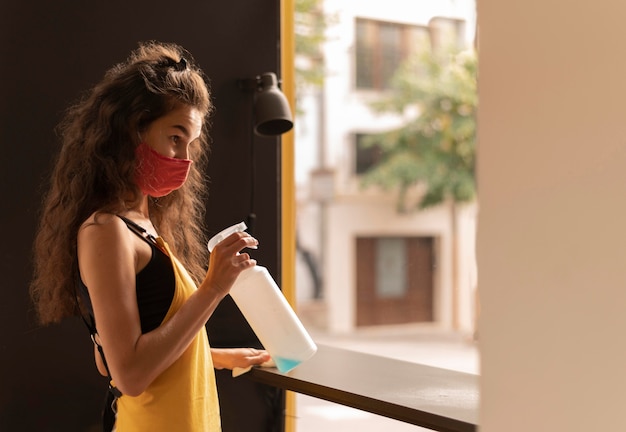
point(269, 314)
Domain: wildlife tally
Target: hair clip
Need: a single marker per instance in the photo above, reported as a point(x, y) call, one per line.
point(181, 65)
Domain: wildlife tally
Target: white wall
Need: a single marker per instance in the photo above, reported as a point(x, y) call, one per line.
point(552, 221)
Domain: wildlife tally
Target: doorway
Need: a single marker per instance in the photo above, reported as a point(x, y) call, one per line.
point(395, 280)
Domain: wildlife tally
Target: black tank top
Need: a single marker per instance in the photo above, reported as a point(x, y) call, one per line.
point(154, 284)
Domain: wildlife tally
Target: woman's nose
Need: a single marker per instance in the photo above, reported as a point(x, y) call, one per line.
point(182, 152)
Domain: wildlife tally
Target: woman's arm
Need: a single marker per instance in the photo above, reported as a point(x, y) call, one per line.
point(109, 258)
point(98, 358)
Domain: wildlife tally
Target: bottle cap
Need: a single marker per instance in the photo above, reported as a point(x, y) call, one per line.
point(241, 226)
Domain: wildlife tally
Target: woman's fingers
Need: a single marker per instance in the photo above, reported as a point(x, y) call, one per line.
point(256, 356)
point(238, 241)
point(243, 259)
point(230, 358)
point(226, 261)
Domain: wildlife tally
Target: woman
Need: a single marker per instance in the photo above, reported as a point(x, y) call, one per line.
point(121, 238)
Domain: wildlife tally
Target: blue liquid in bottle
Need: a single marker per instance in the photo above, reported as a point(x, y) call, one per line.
point(285, 365)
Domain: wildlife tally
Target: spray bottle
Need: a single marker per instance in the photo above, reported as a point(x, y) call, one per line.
point(267, 311)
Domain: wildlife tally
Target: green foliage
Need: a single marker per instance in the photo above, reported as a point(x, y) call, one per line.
point(310, 27)
point(437, 147)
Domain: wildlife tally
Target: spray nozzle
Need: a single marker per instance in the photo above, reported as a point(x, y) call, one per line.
point(241, 226)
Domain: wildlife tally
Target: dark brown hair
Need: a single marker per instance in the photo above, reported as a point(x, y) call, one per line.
point(94, 171)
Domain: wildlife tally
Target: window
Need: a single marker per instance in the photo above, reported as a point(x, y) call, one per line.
point(390, 261)
point(447, 33)
point(366, 153)
point(380, 49)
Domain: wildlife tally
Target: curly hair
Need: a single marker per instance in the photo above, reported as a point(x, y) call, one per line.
point(94, 170)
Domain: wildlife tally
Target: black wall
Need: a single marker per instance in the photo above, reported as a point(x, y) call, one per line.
point(51, 51)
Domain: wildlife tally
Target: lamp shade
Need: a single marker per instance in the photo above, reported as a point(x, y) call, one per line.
point(272, 115)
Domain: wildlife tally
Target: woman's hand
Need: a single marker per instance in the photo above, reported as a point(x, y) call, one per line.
point(226, 262)
point(230, 358)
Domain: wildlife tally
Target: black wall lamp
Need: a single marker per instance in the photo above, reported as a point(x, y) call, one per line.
point(271, 116)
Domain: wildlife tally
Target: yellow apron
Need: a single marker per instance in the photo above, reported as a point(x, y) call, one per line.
point(184, 397)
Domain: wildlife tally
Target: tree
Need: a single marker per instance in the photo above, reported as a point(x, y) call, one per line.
point(310, 34)
point(436, 148)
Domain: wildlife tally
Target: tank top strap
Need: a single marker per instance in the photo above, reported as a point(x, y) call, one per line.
point(139, 230)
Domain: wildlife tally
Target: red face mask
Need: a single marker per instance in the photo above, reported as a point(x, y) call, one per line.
point(158, 175)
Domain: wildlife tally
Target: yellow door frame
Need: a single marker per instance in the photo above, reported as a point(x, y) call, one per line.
point(288, 196)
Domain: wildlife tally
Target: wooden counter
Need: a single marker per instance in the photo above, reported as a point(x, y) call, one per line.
point(434, 398)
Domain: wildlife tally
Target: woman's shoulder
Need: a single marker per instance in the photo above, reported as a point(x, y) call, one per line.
point(101, 219)
point(102, 224)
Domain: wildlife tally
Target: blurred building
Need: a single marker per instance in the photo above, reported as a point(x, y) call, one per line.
point(360, 263)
